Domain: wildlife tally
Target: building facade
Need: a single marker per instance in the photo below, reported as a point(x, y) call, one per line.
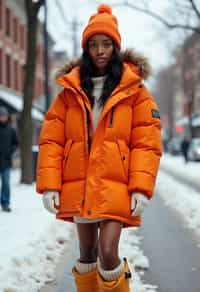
point(178, 89)
point(188, 62)
point(13, 47)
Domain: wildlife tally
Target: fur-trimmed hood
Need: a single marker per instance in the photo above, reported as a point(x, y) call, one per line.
point(138, 64)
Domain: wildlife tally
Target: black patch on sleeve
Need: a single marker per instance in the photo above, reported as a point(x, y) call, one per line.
point(155, 113)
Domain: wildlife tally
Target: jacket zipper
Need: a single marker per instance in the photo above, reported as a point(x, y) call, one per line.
point(88, 129)
point(88, 140)
point(111, 118)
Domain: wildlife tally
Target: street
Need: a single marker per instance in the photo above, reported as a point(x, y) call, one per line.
point(172, 250)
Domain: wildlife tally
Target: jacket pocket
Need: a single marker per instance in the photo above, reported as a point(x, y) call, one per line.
point(67, 149)
point(124, 155)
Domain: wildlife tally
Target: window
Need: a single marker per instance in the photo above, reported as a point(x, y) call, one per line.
point(16, 85)
point(21, 36)
point(15, 28)
point(7, 21)
point(22, 77)
point(8, 79)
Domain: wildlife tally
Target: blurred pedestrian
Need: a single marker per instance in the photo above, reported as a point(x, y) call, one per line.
point(8, 145)
point(184, 148)
point(99, 151)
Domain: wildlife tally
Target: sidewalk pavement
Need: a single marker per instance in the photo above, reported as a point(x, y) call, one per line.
point(172, 250)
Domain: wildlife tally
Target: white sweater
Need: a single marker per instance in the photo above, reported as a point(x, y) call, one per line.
point(97, 90)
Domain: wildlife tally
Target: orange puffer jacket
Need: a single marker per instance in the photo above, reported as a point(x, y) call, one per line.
point(96, 173)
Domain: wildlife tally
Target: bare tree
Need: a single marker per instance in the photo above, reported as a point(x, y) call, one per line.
point(25, 122)
point(184, 8)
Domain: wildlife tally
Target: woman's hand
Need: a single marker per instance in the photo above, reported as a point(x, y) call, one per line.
point(138, 203)
point(50, 200)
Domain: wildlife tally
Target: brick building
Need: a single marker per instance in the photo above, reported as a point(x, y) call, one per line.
point(178, 88)
point(13, 45)
point(190, 58)
point(188, 62)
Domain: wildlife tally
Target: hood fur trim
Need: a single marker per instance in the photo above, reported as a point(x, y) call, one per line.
point(138, 63)
point(142, 64)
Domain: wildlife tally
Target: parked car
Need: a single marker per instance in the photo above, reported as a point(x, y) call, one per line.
point(174, 146)
point(194, 149)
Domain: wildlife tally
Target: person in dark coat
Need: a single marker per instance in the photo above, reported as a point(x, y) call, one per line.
point(184, 147)
point(8, 145)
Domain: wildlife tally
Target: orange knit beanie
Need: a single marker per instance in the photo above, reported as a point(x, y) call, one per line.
point(103, 22)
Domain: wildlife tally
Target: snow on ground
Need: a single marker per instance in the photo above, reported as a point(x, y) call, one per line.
point(176, 165)
point(191, 168)
point(138, 263)
point(178, 196)
point(32, 242)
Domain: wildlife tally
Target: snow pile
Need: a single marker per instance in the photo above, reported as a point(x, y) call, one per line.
point(188, 172)
point(138, 263)
point(29, 270)
point(31, 241)
point(182, 198)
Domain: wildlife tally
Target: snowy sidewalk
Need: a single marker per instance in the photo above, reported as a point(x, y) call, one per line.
point(33, 242)
point(185, 172)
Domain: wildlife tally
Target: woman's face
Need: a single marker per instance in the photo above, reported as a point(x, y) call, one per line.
point(100, 51)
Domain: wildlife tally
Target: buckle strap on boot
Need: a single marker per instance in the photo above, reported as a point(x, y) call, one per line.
point(127, 271)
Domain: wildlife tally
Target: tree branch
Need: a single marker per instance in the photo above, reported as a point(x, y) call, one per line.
point(195, 8)
point(159, 18)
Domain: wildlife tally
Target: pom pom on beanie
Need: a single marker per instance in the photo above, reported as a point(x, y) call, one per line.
point(103, 8)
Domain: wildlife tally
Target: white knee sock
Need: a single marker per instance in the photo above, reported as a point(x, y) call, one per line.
point(83, 268)
point(110, 275)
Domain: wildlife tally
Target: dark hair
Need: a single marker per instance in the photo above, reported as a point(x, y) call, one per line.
point(113, 72)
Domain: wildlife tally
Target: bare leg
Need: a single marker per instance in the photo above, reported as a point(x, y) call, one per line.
point(108, 244)
point(88, 242)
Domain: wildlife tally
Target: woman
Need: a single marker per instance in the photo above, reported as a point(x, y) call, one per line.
point(99, 154)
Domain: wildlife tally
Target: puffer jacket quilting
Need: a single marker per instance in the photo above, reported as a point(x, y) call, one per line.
point(124, 153)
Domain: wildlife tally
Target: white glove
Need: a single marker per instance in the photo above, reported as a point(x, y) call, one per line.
point(51, 198)
point(138, 203)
